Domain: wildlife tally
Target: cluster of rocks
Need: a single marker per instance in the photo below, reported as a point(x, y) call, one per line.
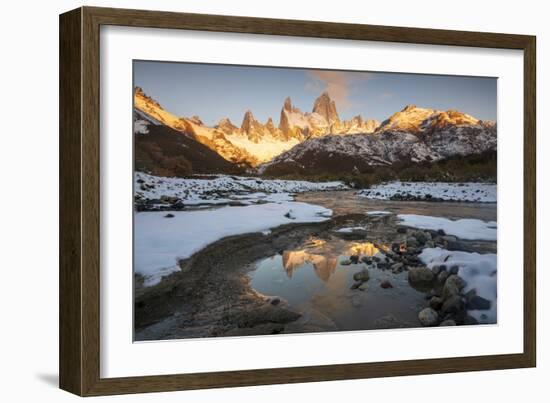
point(416, 197)
point(416, 240)
point(164, 203)
point(448, 303)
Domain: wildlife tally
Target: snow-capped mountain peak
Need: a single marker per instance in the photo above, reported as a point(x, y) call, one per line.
point(414, 133)
point(326, 107)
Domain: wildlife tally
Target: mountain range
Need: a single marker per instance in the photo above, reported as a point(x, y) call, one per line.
point(308, 142)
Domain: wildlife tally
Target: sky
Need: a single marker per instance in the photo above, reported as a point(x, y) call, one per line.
point(214, 91)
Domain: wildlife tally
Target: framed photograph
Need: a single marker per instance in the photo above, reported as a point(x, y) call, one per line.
point(250, 201)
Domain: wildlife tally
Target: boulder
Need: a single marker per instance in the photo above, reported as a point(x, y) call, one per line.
point(442, 277)
point(428, 317)
point(421, 237)
point(412, 242)
point(386, 284)
point(448, 322)
point(453, 304)
point(397, 267)
point(436, 303)
point(366, 260)
point(420, 276)
point(453, 286)
point(362, 276)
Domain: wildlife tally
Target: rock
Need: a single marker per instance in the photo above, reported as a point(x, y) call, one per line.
point(453, 286)
point(178, 206)
point(362, 276)
point(346, 262)
point(412, 242)
point(421, 237)
point(441, 232)
point(453, 304)
point(264, 314)
point(397, 267)
point(454, 269)
point(354, 259)
point(420, 276)
point(436, 270)
point(386, 284)
point(449, 238)
point(275, 301)
point(442, 277)
point(356, 285)
point(376, 259)
point(363, 286)
point(442, 267)
point(413, 250)
point(169, 215)
point(469, 295)
point(448, 322)
point(430, 244)
point(168, 199)
point(436, 303)
point(366, 260)
point(401, 230)
point(478, 303)
point(428, 317)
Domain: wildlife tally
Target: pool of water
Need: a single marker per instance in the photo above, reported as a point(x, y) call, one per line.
point(313, 281)
point(346, 202)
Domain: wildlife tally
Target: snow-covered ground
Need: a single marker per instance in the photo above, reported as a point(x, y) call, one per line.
point(223, 189)
point(465, 228)
point(468, 192)
point(160, 242)
point(478, 270)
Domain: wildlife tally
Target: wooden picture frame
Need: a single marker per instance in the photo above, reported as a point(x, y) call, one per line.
point(80, 200)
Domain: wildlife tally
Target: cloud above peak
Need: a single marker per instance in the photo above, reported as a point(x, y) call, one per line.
point(336, 83)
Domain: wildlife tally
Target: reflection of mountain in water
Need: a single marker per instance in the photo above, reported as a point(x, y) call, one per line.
point(324, 266)
point(363, 248)
point(324, 262)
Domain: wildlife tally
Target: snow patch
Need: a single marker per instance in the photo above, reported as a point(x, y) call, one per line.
point(223, 189)
point(469, 192)
point(161, 242)
point(465, 228)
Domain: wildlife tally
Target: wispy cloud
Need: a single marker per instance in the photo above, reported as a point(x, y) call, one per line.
point(336, 83)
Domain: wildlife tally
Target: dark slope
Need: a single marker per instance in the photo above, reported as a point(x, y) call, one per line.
point(161, 150)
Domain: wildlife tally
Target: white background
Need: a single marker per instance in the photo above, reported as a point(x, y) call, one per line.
point(28, 217)
point(120, 358)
